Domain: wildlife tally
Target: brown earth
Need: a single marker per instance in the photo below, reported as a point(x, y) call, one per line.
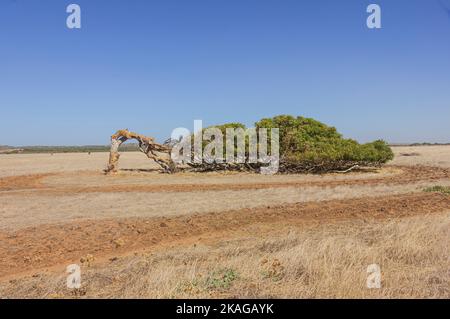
point(37, 183)
point(191, 225)
point(38, 247)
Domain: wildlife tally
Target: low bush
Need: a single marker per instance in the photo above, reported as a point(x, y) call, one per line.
point(438, 189)
point(307, 145)
point(311, 146)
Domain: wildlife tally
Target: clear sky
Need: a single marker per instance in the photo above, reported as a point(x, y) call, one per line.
point(152, 66)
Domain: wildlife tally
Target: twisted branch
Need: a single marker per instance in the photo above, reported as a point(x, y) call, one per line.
point(147, 145)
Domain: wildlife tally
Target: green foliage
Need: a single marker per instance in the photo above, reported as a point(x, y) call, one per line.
point(223, 129)
point(307, 145)
point(438, 189)
point(221, 279)
point(313, 146)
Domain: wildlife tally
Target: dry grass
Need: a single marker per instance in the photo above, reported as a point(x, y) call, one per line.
point(69, 208)
point(327, 258)
point(436, 155)
point(329, 261)
point(22, 164)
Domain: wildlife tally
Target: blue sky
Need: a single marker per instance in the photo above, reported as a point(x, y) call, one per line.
point(152, 66)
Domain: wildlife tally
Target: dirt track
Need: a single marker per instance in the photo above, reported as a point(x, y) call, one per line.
point(36, 248)
point(37, 183)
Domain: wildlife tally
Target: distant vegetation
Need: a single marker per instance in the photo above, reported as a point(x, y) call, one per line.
point(438, 189)
point(418, 144)
point(428, 144)
point(130, 147)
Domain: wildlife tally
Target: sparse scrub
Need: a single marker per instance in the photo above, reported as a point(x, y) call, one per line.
point(221, 279)
point(438, 189)
point(273, 269)
point(293, 236)
point(325, 262)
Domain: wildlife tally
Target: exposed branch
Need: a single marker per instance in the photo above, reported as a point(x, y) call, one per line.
point(147, 145)
point(347, 170)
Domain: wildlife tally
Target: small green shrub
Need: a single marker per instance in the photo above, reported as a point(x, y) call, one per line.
point(221, 279)
point(438, 189)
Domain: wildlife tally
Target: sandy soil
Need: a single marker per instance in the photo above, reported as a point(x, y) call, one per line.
point(23, 164)
point(58, 209)
point(423, 155)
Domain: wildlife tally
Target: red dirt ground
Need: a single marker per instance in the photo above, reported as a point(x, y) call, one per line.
point(36, 248)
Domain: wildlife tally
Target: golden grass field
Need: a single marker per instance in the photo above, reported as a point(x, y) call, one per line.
point(144, 234)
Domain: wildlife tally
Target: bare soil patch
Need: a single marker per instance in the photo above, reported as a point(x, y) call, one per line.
point(406, 175)
point(38, 247)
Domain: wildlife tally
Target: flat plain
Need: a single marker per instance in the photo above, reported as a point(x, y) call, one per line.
point(141, 233)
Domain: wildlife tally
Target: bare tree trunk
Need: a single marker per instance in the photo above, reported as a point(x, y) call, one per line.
point(147, 145)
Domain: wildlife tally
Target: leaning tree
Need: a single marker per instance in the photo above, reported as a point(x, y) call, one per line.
point(305, 146)
point(160, 153)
